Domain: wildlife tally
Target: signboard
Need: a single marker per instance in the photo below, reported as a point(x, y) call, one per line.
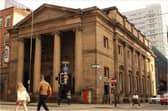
point(65, 69)
point(6, 54)
point(95, 65)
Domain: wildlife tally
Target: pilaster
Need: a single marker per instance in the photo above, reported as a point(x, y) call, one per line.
point(20, 61)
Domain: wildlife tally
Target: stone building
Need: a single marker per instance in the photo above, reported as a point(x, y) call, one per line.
point(85, 38)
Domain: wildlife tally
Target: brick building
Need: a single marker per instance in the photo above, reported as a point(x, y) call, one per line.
point(84, 38)
point(8, 18)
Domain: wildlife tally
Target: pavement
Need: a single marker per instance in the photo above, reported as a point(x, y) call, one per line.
point(122, 106)
point(94, 107)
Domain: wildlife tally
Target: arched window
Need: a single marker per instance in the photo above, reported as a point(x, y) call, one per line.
point(6, 39)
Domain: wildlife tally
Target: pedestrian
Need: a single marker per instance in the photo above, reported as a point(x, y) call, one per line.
point(69, 96)
point(22, 97)
point(135, 99)
point(44, 91)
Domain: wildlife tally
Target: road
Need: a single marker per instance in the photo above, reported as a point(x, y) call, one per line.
point(89, 107)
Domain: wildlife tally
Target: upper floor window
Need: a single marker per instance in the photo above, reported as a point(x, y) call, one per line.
point(106, 44)
point(119, 50)
point(136, 58)
point(6, 39)
point(0, 21)
point(128, 54)
point(7, 21)
point(106, 72)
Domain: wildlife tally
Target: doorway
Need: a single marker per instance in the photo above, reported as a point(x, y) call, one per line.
point(47, 45)
point(68, 54)
point(28, 65)
point(106, 96)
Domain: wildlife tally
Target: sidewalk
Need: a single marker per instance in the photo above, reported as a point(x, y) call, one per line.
point(81, 106)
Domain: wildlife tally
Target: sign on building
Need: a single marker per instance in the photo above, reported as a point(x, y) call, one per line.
point(6, 54)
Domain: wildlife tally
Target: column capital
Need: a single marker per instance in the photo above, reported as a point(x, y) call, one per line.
point(55, 32)
point(77, 29)
point(38, 36)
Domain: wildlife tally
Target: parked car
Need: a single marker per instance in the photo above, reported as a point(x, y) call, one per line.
point(154, 99)
point(164, 99)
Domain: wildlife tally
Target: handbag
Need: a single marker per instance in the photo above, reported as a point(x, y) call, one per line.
point(27, 97)
point(48, 91)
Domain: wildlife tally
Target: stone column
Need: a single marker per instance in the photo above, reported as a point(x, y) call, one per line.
point(145, 75)
point(56, 61)
point(20, 60)
point(133, 71)
point(146, 78)
point(126, 69)
point(78, 60)
point(140, 73)
point(37, 65)
point(116, 70)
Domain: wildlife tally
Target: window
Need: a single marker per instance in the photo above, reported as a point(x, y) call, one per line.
point(7, 21)
point(128, 54)
point(106, 72)
point(121, 82)
point(130, 82)
point(6, 39)
point(106, 42)
point(119, 50)
point(0, 21)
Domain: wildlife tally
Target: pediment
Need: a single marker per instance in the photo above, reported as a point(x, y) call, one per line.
point(47, 12)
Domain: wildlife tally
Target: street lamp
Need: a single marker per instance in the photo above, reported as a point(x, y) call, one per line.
point(30, 61)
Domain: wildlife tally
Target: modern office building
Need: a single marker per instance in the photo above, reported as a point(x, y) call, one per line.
point(161, 67)
point(8, 18)
point(11, 3)
point(150, 21)
point(104, 52)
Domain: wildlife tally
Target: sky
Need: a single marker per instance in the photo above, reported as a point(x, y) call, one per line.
point(122, 5)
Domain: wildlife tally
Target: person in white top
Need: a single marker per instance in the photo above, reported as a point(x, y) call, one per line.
point(22, 97)
point(135, 99)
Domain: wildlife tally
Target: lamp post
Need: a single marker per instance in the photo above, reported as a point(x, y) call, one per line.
point(30, 54)
point(114, 84)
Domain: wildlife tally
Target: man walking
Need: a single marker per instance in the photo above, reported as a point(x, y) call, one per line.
point(44, 89)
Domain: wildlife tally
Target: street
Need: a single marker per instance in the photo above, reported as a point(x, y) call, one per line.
point(88, 107)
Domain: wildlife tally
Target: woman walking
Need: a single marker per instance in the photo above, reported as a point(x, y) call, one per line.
point(22, 97)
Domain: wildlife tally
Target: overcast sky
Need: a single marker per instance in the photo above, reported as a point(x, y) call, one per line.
point(123, 5)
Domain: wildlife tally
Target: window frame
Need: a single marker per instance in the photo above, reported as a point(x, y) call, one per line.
point(6, 39)
point(106, 72)
point(0, 21)
point(106, 42)
point(7, 20)
point(120, 50)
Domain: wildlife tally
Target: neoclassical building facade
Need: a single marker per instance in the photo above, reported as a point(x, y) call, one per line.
point(85, 38)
